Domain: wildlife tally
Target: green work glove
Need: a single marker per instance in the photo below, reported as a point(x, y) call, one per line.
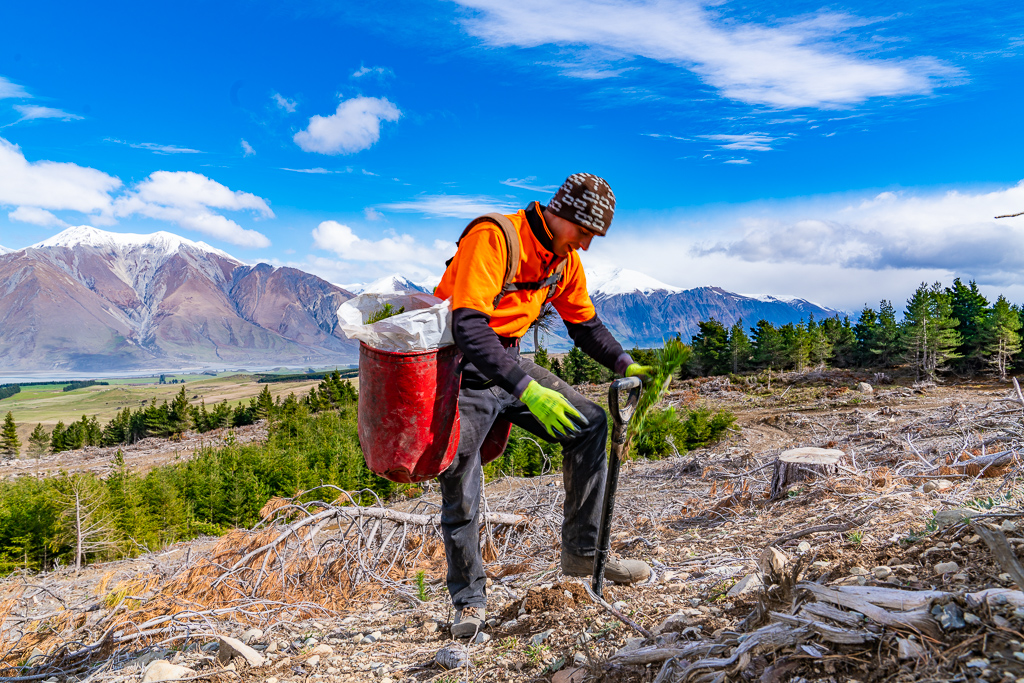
point(552, 409)
point(644, 372)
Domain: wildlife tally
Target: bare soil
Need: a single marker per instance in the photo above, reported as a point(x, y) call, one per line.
point(701, 520)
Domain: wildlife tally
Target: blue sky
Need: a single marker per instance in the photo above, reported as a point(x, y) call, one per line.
point(843, 153)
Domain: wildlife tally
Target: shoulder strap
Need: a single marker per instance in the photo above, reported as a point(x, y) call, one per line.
point(511, 248)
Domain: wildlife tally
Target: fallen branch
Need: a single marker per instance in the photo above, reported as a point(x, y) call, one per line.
point(919, 621)
point(1000, 547)
point(616, 613)
point(845, 526)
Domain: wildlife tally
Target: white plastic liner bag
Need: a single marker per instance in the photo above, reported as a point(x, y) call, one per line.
point(425, 325)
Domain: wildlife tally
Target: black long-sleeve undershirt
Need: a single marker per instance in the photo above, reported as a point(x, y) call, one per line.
point(491, 360)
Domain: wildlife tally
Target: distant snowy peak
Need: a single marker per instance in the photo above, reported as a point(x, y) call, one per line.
point(5, 250)
point(162, 242)
point(785, 299)
point(612, 281)
point(391, 284)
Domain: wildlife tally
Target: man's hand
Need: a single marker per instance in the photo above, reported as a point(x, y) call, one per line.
point(644, 372)
point(552, 409)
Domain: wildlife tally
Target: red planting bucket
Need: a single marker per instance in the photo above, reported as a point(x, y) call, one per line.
point(409, 411)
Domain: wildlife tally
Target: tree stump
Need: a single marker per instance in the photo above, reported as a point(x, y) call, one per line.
point(801, 464)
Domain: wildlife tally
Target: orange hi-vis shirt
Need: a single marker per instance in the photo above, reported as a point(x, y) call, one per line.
point(477, 273)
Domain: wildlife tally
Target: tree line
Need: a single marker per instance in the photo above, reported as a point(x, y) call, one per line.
point(169, 419)
point(943, 329)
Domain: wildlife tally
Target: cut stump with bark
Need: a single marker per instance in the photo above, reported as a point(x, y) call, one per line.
point(802, 464)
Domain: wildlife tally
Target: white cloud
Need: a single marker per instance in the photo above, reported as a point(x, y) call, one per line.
point(156, 148)
point(284, 103)
point(318, 170)
point(247, 150)
point(353, 127)
point(782, 65)
point(186, 198)
point(31, 112)
point(35, 189)
point(754, 142)
point(9, 90)
point(528, 183)
point(742, 162)
point(372, 214)
point(449, 206)
point(52, 185)
point(36, 216)
point(378, 71)
point(399, 252)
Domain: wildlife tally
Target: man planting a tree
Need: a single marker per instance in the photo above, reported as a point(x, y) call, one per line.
point(505, 270)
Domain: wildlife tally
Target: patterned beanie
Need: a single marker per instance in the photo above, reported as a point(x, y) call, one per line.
point(585, 200)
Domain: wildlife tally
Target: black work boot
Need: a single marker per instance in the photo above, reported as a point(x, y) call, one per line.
point(619, 571)
point(468, 622)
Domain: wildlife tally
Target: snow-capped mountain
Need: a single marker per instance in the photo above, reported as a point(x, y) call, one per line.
point(390, 284)
point(5, 250)
point(605, 282)
point(90, 300)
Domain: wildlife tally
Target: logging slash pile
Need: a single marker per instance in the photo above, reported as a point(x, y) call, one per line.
point(842, 532)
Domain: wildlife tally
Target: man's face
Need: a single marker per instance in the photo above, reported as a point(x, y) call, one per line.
point(566, 235)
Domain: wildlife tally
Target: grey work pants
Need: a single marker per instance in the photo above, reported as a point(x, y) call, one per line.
point(584, 467)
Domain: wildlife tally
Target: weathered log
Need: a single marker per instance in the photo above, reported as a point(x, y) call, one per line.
point(828, 633)
point(802, 464)
point(918, 620)
point(1000, 547)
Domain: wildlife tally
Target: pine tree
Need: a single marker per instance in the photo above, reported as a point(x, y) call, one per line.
point(710, 349)
point(57, 438)
point(179, 415)
point(929, 331)
point(541, 358)
point(888, 344)
point(1000, 337)
point(10, 445)
point(768, 350)
point(38, 442)
point(740, 349)
point(970, 309)
point(794, 345)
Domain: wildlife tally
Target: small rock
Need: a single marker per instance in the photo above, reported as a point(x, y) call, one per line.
point(1000, 622)
point(882, 572)
point(1009, 526)
point(748, 584)
point(310, 642)
point(210, 647)
point(431, 626)
point(322, 649)
point(620, 605)
point(673, 624)
point(908, 649)
point(631, 644)
point(1005, 578)
point(858, 571)
point(668, 577)
point(803, 547)
point(272, 679)
point(579, 659)
point(952, 617)
point(313, 661)
point(272, 648)
point(481, 638)
point(539, 638)
point(251, 635)
point(377, 606)
point(955, 546)
point(1019, 656)
point(865, 388)
point(772, 561)
point(977, 663)
point(573, 675)
point(348, 621)
point(946, 568)
point(35, 655)
point(367, 640)
point(162, 670)
point(333, 670)
point(971, 619)
point(959, 578)
point(386, 680)
point(452, 657)
point(1018, 613)
point(229, 648)
point(939, 485)
point(972, 539)
point(945, 518)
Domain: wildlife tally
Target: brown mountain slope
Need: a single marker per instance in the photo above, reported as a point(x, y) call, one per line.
point(89, 300)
